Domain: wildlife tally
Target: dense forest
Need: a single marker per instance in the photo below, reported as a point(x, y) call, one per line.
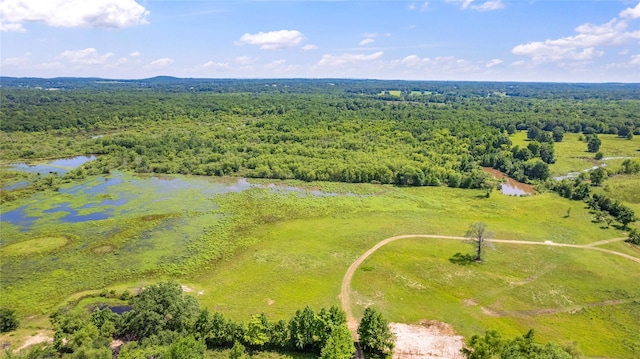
point(405, 133)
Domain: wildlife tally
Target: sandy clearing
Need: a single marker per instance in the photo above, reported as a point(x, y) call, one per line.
point(430, 340)
point(33, 340)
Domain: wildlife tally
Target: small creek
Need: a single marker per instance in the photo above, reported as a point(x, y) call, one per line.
point(509, 186)
point(572, 175)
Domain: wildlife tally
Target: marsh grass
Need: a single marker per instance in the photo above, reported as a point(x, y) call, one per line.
point(34, 246)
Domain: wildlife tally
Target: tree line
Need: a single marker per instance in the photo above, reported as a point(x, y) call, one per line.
point(163, 323)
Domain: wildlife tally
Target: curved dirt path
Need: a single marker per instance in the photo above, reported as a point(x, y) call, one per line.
point(345, 289)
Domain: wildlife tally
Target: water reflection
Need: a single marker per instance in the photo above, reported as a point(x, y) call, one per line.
point(103, 195)
point(509, 186)
point(59, 166)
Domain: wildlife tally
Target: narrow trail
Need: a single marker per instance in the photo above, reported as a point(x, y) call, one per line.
point(569, 309)
point(606, 241)
point(345, 289)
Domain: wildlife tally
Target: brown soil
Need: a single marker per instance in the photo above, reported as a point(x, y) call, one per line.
point(429, 340)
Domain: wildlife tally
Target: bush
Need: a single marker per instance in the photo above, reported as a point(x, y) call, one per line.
point(8, 320)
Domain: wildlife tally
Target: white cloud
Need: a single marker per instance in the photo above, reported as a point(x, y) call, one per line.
point(580, 47)
point(633, 62)
point(216, 65)
point(49, 66)
point(20, 61)
point(275, 64)
point(72, 13)
point(518, 63)
point(494, 62)
point(489, 6)
point(413, 60)
point(631, 13)
point(244, 60)
point(424, 6)
point(485, 6)
point(464, 4)
point(348, 59)
point(88, 56)
point(135, 54)
point(273, 40)
point(309, 47)
point(163, 62)
point(366, 41)
point(369, 38)
point(13, 27)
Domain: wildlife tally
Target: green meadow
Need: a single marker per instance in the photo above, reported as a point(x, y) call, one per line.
point(278, 246)
point(572, 156)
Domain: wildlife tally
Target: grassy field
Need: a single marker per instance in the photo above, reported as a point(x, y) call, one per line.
point(517, 288)
point(279, 250)
point(623, 188)
point(572, 156)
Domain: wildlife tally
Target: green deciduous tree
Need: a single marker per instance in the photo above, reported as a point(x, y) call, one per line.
point(186, 348)
point(625, 216)
point(374, 333)
point(237, 351)
point(597, 176)
point(593, 144)
point(339, 344)
point(634, 237)
point(8, 320)
point(558, 133)
point(493, 346)
point(158, 308)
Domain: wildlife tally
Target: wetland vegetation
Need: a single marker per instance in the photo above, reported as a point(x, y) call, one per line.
point(256, 199)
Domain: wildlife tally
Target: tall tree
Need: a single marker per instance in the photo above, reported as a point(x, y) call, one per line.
point(558, 133)
point(593, 144)
point(375, 336)
point(478, 234)
point(339, 345)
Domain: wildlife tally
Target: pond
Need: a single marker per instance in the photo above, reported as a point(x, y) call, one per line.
point(59, 166)
point(509, 186)
point(117, 309)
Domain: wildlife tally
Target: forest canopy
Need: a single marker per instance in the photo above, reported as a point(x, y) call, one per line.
point(426, 133)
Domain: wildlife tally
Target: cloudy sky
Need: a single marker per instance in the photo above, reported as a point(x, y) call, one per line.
point(500, 40)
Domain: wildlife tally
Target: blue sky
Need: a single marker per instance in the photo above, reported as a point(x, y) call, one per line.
point(475, 40)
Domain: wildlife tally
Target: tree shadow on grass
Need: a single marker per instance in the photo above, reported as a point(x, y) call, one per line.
point(462, 259)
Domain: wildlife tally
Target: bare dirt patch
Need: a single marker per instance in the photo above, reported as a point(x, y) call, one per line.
point(470, 302)
point(190, 290)
point(427, 340)
point(33, 340)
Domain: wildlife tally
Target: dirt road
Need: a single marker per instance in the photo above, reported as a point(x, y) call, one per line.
point(345, 290)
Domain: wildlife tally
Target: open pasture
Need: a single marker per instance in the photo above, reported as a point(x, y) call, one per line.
point(572, 156)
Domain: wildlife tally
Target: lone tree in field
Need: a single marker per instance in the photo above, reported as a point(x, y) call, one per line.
point(478, 234)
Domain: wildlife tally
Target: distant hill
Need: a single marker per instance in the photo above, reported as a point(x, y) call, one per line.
point(577, 91)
